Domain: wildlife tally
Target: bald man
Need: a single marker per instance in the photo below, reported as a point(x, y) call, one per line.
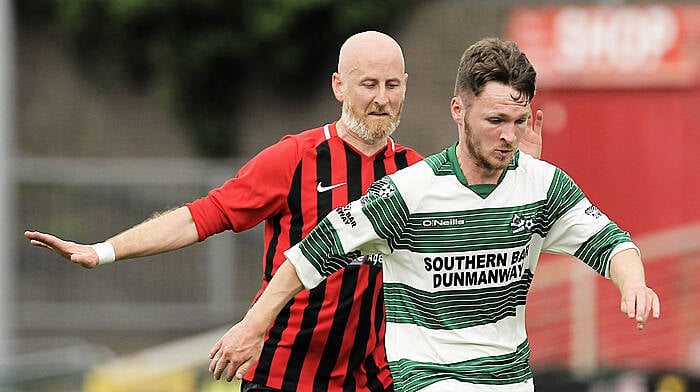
point(330, 338)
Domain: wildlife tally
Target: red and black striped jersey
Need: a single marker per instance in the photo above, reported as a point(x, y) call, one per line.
point(332, 337)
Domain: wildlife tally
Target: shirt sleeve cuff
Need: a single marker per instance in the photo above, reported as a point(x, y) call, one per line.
point(308, 275)
point(619, 248)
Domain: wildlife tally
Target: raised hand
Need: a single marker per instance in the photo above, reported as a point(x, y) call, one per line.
point(531, 142)
point(81, 254)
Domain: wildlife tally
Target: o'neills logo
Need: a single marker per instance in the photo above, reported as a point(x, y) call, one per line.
point(442, 222)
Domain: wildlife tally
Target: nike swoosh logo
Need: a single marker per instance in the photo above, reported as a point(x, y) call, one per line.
point(320, 188)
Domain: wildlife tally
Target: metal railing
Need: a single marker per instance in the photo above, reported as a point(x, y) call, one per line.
point(88, 200)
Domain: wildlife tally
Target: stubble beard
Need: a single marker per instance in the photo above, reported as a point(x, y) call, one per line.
point(373, 130)
point(476, 150)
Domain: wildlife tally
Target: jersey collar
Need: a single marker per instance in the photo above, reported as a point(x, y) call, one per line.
point(452, 156)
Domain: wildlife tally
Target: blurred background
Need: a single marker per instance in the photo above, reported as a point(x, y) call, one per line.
point(115, 109)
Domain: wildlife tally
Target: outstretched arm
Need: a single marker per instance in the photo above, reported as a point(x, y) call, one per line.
point(638, 300)
point(241, 345)
point(531, 143)
point(171, 230)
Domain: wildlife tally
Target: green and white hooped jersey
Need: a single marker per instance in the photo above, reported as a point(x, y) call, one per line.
point(458, 264)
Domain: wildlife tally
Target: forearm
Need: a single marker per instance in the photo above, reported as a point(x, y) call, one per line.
point(171, 230)
point(637, 300)
point(285, 284)
point(627, 270)
point(241, 345)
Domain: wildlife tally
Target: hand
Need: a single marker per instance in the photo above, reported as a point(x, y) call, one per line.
point(531, 142)
point(239, 349)
point(638, 302)
point(81, 254)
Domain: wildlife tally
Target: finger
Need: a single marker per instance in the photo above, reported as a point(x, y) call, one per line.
point(656, 306)
point(38, 236)
point(627, 306)
point(243, 369)
point(212, 363)
point(648, 305)
point(215, 349)
point(31, 234)
point(219, 368)
point(41, 244)
point(232, 371)
point(49, 242)
point(539, 120)
point(640, 312)
point(59, 252)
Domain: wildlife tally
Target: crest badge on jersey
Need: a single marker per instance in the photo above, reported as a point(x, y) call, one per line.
point(382, 189)
point(521, 222)
point(593, 211)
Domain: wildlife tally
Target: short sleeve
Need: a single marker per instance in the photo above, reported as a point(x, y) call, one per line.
point(258, 191)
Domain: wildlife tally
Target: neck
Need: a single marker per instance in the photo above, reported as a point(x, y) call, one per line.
point(474, 173)
point(368, 148)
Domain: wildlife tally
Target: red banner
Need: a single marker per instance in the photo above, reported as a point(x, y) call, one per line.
point(629, 46)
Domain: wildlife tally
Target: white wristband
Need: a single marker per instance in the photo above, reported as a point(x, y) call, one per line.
point(105, 252)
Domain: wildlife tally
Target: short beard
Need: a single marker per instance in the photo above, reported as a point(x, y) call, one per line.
point(477, 153)
point(376, 130)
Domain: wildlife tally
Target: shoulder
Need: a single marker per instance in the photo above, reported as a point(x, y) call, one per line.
point(293, 147)
point(309, 138)
point(288, 151)
point(410, 182)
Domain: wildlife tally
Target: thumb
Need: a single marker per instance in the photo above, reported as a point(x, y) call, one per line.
point(87, 261)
